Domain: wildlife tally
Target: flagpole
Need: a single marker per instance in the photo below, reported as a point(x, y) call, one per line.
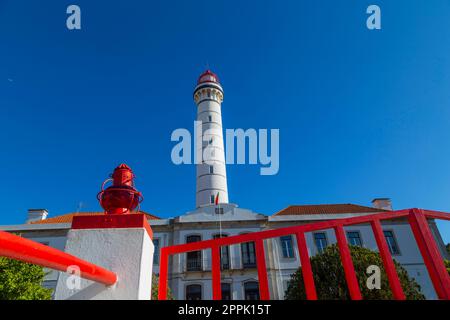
point(220, 217)
point(217, 203)
point(220, 224)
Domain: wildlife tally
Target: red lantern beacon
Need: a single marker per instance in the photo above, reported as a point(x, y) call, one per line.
point(121, 197)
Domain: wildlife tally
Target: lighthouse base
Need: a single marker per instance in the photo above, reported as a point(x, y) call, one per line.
point(126, 251)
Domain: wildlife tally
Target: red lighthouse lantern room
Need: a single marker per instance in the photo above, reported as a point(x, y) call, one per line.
point(121, 197)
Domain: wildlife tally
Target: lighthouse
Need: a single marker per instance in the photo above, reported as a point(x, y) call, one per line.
point(211, 172)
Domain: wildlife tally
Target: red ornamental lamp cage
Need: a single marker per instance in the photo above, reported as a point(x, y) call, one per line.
point(121, 197)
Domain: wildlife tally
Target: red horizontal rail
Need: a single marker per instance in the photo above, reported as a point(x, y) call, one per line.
point(435, 214)
point(18, 248)
point(274, 233)
point(415, 217)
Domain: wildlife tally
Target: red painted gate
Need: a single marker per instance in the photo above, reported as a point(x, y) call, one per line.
point(417, 219)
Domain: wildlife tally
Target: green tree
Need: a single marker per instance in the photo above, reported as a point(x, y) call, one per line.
point(447, 265)
point(329, 277)
point(22, 281)
point(155, 285)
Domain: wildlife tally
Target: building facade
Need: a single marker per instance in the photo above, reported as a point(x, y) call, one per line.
point(190, 273)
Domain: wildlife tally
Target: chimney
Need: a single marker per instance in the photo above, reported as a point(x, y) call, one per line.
point(382, 203)
point(36, 215)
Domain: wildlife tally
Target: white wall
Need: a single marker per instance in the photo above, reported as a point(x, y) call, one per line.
point(57, 242)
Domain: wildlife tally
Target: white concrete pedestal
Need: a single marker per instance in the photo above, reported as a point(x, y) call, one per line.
point(128, 252)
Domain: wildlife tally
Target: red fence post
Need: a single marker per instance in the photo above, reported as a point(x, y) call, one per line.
point(389, 265)
point(430, 253)
point(163, 265)
point(215, 271)
point(308, 279)
point(262, 271)
point(346, 258)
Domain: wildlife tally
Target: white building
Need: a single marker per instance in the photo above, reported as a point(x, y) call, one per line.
point(190, 274)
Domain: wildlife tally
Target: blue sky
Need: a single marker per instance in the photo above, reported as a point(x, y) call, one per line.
point(362, 114)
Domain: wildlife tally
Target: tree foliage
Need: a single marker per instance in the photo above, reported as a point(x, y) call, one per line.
point(330, 281)
point(22, 281)
point(447, 262)
point(155, 285)
point(447, 265)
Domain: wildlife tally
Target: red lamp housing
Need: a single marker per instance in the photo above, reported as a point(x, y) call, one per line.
point(122, 197)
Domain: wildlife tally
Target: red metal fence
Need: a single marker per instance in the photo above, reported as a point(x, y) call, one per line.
point(18, 248)
point(416, 218)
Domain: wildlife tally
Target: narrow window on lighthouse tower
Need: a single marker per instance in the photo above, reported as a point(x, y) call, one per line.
point(210, 118)
point(212, 198)
point(211, 169)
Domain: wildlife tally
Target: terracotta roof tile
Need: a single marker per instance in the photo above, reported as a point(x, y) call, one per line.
point(326, 209)
point(67, 218)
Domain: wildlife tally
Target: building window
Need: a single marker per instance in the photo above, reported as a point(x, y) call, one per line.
point(212, 198)
point(248, 255)
point(224, 254)
point(156, 253)
point(226, 291)
point(391, 242)
point(286, 246)
point(210, 118)
point(193, 258)
point(194, 292)
point(219, 210)
point(211, 169)
point(320, 239)
point(354, 238)
point(251, 290)
point(211, 141)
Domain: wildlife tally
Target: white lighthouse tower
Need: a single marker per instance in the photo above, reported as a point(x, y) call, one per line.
point(211, 173)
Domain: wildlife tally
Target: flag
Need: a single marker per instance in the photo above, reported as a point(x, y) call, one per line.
point(216, 201)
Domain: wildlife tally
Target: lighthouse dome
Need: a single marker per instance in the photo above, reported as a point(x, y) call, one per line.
point(208, 76)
